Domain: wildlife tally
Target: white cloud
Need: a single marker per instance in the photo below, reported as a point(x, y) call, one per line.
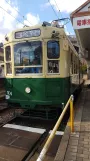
point(65, 5)
point(66, 30)
point(1, 37)
point(8, 22)
point(30, 20)
point(33, 20)
point(65, 27)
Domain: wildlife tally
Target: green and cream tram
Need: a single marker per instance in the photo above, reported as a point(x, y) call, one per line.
point(42, 68)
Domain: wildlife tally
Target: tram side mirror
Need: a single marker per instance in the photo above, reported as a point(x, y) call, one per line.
point(2, 65)
point(65, 45)
point(6, 38)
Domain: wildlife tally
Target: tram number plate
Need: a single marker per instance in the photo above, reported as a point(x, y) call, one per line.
point(9, 93)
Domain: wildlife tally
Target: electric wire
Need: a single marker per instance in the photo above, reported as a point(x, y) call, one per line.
point(19, 13)
point(61, 15)
point(53, 9)
point(11, 15)
point(58, 8)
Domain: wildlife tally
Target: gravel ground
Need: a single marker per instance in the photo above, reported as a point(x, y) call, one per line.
point(9, 114)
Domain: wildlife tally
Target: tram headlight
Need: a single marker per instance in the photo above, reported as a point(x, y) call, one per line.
point(27, 90)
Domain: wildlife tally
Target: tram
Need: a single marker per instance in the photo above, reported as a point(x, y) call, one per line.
point(42, 69)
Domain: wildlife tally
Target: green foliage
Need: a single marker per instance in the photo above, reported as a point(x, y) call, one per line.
point(84, 68)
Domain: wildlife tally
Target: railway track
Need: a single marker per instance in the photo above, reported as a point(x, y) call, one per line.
point(21, 138)
point(8, 114)
point(29, 142)
point(3, 105)
point(36, 146)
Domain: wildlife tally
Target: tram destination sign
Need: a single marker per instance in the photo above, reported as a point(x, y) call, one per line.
point(27, 33)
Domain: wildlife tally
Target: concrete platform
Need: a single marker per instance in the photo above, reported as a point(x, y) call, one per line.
point(11, 154)
point(76, 146)
point(15, 143)
point(51, 152)
point(17, 140)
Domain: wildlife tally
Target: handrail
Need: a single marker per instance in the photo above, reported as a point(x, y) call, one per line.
point(51, 136)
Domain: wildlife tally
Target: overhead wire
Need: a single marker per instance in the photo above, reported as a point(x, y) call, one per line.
point(11, 15)
point(61, 14)
point(19, 13)
point(58, 8)
point(53, 9)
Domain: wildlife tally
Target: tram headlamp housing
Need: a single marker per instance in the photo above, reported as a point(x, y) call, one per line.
point(27, 90)
point(55, 34)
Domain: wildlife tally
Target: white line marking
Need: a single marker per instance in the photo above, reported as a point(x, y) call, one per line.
point(58, 132)
point(25, 128)
point(30, 129)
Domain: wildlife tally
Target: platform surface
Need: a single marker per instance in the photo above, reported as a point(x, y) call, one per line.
point(14, 143)
point(17, 140)
point(76, 146)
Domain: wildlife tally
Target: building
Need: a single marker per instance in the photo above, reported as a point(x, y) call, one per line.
point(81, 23)
point(80, 19)
point(74, 42)
point(76, 45)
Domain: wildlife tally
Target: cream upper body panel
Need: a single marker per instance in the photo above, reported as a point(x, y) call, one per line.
point(46, 33)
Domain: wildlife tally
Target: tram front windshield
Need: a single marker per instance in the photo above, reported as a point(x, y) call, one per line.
point(28, 57)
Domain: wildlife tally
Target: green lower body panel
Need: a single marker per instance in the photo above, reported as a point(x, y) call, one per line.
point(44, 91)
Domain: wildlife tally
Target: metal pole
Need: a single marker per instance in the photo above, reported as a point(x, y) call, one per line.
point(49, 140)
point(72, 114)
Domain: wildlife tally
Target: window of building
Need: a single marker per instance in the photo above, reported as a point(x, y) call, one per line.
point(89, 8)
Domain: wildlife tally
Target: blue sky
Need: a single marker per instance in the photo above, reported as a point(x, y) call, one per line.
point(45, 13)
point(34, 11)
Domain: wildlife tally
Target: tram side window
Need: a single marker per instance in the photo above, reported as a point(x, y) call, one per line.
point(74, 67)
point(8, 60)
point(53, 53)
point(8, 68)
point(71, 69)
point(8, 53)
point(77, 66)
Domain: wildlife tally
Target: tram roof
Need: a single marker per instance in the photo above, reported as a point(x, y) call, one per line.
point(45, 32)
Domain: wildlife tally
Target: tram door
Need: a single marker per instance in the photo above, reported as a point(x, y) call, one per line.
point(53, 55)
